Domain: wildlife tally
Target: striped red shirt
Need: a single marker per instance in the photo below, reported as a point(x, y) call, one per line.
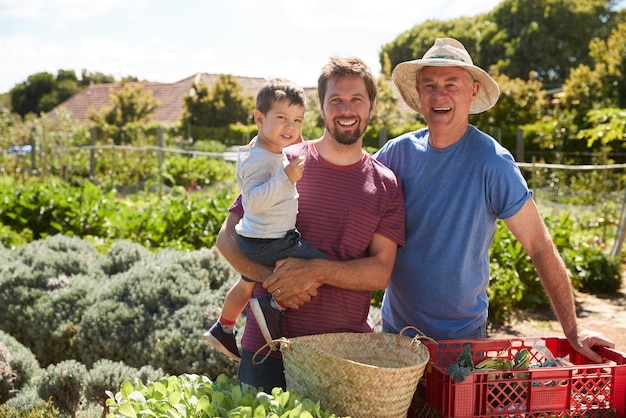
point(340, 208)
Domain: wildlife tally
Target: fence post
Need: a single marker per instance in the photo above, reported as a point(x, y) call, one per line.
point(92, 155)
point(33, 159)
point(160, 157)
point(382, 137)
point(619, 240)
point(519, 149)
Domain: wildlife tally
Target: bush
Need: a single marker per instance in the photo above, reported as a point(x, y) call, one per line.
point(122, 256)
point(154, 313)
point(63, 384)
point(7, 375)
point(107, 375)
point(32, 408)
point(593, 271)
point(22, 362)
point(45, 290)
point(514, 281)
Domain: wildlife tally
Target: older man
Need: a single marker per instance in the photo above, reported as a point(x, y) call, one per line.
point(458, 182)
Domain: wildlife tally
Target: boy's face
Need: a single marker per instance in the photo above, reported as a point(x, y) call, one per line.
point(280, 126)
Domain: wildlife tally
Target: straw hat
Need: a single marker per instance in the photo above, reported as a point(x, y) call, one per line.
point(446, 52)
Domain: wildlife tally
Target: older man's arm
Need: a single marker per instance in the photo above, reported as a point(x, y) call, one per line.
point(529, 228)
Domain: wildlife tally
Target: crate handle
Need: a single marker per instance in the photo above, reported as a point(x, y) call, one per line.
point(612, 354)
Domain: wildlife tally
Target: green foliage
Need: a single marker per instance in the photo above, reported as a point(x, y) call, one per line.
point(42, 91)
point(43, 292)
point(128, 104)
point(221, 105)
point(29, 410)
point(7, 374)
point(52, 207)
point(515, 284)
point(153, 313)
point(191, 395)
point(63, 383)
point(64, 300)
point(181, 220)
point(592, 271)
point(197, 172)
point(22, 361)
point(518, 24)
point(107, 375)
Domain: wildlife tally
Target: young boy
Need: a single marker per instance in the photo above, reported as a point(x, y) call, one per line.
point(267, 231)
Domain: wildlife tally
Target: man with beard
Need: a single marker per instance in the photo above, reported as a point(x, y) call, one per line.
point(351, 208)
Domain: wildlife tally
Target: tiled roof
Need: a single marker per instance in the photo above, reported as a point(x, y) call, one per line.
point(171, 96)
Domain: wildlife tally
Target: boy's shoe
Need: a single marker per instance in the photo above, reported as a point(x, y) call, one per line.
point(224, 342)
point(267, 317)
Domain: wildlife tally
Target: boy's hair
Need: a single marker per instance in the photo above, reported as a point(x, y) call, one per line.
point(276, 90)
point(343, 67)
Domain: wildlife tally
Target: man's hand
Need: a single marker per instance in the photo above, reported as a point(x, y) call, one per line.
point(292, 282)
point(584, 340)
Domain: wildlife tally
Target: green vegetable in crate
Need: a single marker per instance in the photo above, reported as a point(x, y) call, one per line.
point(522, 359)
point(494, 363)
point(463, 367)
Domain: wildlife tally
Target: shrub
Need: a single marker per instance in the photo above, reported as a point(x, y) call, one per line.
point(593, 271)
point(32, 408)
point(153, 313)
point(22, 362)
point(7, 375)
point(63, 383)
point(44, 291)
point(107, 375)
point(122, 255)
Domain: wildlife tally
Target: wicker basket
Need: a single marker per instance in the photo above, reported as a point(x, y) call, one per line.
point(356, 374)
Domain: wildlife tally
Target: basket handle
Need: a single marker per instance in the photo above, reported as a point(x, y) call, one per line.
point(273, 345)
point(417, 338)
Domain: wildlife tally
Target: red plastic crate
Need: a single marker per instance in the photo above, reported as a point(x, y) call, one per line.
point(584, 390)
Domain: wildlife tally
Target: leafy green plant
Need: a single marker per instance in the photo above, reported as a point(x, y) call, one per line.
point(192, 396)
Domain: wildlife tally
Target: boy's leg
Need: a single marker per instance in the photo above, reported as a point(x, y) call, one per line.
point(222, 334)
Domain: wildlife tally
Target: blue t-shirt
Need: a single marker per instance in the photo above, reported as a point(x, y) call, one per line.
point(453, 198)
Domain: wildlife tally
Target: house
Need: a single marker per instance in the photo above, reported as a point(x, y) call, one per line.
point(171, 96)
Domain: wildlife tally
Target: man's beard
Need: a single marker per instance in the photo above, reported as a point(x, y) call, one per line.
point(346, 137)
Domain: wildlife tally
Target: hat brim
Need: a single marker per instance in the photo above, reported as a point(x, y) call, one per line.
point(404, 76)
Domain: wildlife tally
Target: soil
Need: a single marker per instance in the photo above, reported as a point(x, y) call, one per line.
point(601, 313)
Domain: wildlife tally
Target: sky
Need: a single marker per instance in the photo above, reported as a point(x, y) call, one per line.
point(167, 41)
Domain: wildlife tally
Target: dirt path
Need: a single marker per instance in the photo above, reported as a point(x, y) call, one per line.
point(606, 314)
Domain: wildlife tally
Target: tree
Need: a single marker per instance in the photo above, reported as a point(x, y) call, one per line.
point(518, 37)
point(600, 86)
point(26, 96)
point(520, 102)
point(41, 92)
point(218, 106)
point(87, 78)
point(129, 104)
point(537, 36)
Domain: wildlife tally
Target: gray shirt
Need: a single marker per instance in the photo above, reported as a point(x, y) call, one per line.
point(270, 199)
